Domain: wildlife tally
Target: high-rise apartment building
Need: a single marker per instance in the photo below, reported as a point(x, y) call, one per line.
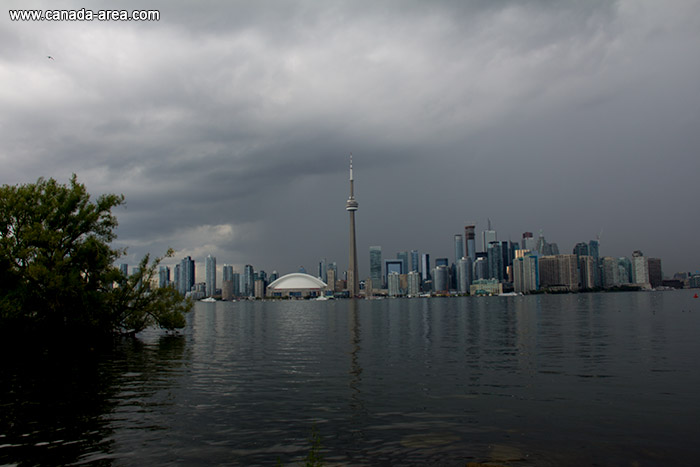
point(611, 272)
point(248, 281)
point(227, 272)
point(655, 275)
point(413, 283)
point(494, 255)
point(210, 275)
point(441, 279)
point(393, 284)
point(425, 267)
point(124, 269)
point(559, 272)
point(587, 271)
point(464, 274)
point(459, 247)
point(526, 274)
point(375, 266)
point(163, 276)
point(640, 268)
point(187, 278)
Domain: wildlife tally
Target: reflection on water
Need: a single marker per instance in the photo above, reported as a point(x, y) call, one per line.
point(606, 379)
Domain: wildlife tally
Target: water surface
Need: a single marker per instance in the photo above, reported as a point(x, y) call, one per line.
point(587, 379)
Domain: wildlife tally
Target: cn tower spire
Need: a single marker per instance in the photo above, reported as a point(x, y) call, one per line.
point(351, 206)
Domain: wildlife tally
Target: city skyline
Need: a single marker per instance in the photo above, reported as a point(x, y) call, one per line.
point(227, 126)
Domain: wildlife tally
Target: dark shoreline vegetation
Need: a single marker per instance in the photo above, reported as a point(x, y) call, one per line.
point(58, 282)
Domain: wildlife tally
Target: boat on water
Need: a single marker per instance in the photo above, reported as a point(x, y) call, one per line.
point(208, 300)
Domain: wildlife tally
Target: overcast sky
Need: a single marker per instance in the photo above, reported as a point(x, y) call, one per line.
point(228, 125)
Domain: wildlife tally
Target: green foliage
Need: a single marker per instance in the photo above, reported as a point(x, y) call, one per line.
point(56, 265)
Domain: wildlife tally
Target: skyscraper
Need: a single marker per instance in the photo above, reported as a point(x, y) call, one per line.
point(470, 241)
point(415, 261)
point(488, 236)
point(248, 281)
point(459, 247)
point(351, 206)
point(403, 256)
point(425, 267)
point(124, 268)
point(210, 275)
point(375, 266)
point(186, 275)
point(163, 276)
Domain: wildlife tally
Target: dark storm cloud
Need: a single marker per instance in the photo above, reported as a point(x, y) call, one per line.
point(228, 125)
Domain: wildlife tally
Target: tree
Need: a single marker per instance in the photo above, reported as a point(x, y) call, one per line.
point(56, 265)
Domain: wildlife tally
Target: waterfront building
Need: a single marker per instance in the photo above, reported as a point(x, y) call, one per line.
point(526, 274)
point(297, 285)
point(187, 275)
point(625, 270)
point(611, 272)
point(559, 272)
point(464, 275)
point(486, 287)
point(655, 274)
point(413, 283)
point(163, 276)
point(375, 266)
point(176, 277)
point(248, 281)
point(210, 275)
point(393, 284)
point(351, 206)
point(236, 280)
point(425, 267)
point(481, 267)
point(587, 271)
point(640, 269)
point(495, 261)
point(260, 288)
point(332, 280)
point(227, 289)
point(470, 241)
point(441, 279)
point(227, 272)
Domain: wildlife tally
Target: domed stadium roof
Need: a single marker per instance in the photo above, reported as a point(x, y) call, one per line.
point(296, 281)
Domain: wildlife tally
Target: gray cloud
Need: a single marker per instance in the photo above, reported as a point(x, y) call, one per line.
point(228, 125)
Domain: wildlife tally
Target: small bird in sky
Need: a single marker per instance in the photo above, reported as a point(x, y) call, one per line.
point(49, 57)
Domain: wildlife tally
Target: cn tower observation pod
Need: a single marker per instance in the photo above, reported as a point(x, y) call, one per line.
point(298, 285)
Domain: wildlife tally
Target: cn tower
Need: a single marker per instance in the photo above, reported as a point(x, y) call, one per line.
point(351, 207)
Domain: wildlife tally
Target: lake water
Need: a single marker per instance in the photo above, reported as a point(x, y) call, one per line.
point(587, 379)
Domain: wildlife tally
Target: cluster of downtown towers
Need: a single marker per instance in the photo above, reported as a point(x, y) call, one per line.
point(528, 266)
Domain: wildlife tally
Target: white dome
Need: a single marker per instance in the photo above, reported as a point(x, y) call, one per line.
point(296, 281)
